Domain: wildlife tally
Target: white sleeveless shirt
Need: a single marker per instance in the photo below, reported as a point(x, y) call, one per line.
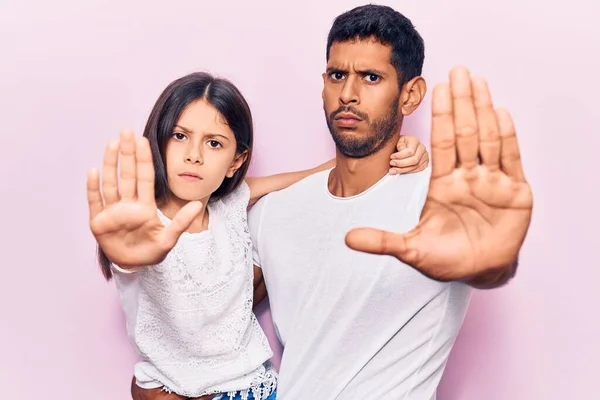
point(190, 317)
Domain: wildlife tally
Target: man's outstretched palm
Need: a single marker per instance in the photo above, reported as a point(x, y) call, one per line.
point(479, 205)
point(126, 223)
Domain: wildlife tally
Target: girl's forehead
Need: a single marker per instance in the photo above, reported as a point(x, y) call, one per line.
point(200, 117)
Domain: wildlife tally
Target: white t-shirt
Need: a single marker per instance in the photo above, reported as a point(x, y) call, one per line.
point(190, 317)
point(353, 325)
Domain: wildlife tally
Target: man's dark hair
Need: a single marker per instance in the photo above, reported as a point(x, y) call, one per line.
point(389, 27)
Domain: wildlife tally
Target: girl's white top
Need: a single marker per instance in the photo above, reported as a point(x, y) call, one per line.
point(190, 317)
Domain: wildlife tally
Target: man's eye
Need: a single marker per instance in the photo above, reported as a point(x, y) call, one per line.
point(337, 75)
point(373, 78)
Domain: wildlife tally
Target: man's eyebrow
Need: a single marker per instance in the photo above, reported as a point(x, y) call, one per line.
point(371, 71)
point(329, 70)
point(367, 71)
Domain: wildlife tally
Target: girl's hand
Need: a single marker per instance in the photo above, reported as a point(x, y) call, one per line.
point(411, 156)
point(123, 218)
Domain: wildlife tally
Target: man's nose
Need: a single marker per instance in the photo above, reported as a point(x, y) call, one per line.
point(349, 94)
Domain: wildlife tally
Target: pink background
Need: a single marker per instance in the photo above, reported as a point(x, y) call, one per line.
point(73, 73)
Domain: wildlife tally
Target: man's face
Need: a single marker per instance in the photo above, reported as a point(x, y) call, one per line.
point(361, 96)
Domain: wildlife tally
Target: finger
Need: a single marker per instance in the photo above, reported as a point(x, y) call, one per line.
point(402, 154)
point(413, 158)
point(410, 161)
point(401, 143)
point(93, 193)
point(465, 119)
point(110, 188)
point(145, 172)
point(375, 241)
point(443, 140)
point(127, 167)
point(408, 142)
point(172, 396)
point(410, 170)
point(424, 163)
point(489, 136)
point(510, 158)
point(180, 223)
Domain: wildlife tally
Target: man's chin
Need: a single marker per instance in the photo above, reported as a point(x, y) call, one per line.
point(351, 147)
point(352, 151)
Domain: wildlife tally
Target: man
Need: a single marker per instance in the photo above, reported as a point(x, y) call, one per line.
point(364, 312)
point(356, 325)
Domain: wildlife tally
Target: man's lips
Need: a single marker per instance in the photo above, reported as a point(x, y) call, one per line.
point(347, 120)
point(347, 115)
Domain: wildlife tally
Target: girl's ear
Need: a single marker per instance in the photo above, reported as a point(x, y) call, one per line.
point(238, 161)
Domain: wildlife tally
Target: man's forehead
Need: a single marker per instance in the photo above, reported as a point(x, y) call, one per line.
point(360, 53)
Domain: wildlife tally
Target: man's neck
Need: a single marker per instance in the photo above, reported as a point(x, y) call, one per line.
point(352, 176)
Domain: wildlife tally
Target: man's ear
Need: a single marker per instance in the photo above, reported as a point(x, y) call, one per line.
point(238, 161)
point(412, 95)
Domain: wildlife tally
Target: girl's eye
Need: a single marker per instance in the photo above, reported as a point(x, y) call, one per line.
point(179, 136)
point(214, 144)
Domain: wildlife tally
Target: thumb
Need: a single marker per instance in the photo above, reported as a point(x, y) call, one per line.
point(376, 241)
point(182, 221)
point(402, 143)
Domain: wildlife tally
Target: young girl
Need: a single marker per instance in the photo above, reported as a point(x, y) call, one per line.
point(171, 227)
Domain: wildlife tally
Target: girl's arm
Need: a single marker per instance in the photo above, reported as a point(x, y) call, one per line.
point(262, 185)
point(411, 157)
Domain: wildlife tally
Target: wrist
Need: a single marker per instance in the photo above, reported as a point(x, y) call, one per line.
point(496, 278)
point(328, 165)
point(125, 270)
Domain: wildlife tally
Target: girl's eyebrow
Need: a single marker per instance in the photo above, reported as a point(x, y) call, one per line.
point(186, 130)
point(217, 135)
point(209, 134)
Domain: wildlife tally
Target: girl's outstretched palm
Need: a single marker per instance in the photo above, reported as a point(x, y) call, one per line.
point(126, 224)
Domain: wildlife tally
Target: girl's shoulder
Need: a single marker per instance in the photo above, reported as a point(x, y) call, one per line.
point(235, 204)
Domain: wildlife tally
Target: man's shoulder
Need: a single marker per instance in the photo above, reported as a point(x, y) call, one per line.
point(289, 198)
point(306, 187)
point(417, 181)
point(407, 191)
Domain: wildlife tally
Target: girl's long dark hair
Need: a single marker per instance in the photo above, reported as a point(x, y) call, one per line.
point(223, 96)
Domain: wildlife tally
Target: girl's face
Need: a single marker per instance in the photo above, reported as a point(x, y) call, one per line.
point(200, 153)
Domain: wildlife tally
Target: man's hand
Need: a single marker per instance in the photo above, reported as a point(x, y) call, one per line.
point(411, 156)
point(137, 393)
point(479, 205)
